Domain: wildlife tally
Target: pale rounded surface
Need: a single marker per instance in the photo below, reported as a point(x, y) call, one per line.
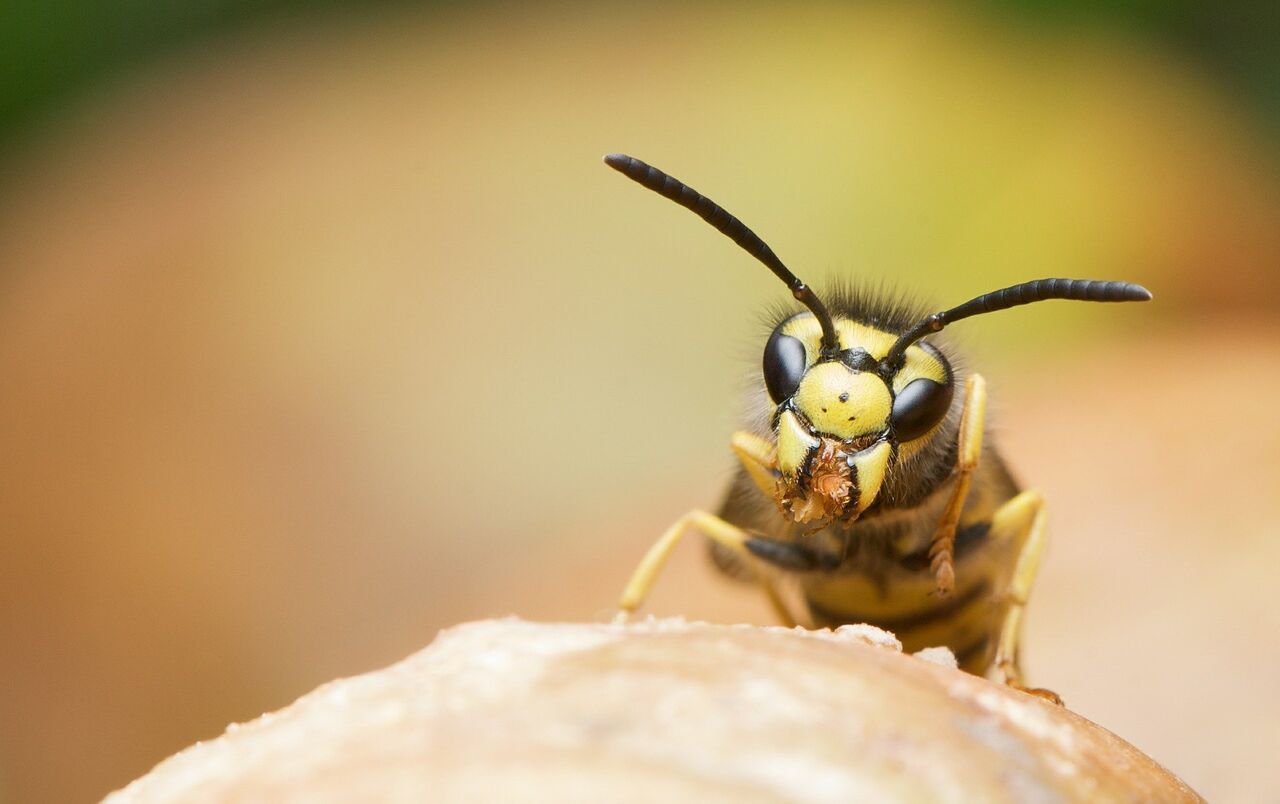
point(662, 710)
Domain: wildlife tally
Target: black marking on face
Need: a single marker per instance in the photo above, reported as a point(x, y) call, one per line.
point(855, 490)
point(858, 359)
point(784, 365)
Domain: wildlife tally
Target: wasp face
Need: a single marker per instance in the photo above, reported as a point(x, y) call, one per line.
point(841, 415)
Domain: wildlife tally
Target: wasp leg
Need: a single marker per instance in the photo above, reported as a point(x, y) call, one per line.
point(723, 533)
point(760, 459)
point(1023, 520)
point(969, 449)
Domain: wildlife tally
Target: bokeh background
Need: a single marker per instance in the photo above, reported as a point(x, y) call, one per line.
point(322, 327)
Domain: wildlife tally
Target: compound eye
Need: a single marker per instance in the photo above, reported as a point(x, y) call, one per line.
point(919, 407)
point(784, 365)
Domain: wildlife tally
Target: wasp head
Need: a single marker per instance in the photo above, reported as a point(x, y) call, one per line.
point(843, 414)
point(853, 399)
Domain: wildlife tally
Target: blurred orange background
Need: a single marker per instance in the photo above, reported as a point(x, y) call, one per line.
point(306, 327)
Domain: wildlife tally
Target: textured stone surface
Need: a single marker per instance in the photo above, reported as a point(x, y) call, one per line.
point(661, 710)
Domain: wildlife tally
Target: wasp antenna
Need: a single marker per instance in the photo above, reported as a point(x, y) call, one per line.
point(1025, 293)
point(728, 225)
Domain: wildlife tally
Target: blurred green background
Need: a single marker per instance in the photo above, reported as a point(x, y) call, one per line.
point(307, 312)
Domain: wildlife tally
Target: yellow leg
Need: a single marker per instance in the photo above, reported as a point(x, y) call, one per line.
point(760, 459)
point(1022, 519)
point(717, 529)
point(969, 450)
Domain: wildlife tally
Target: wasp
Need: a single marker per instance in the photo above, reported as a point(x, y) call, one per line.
point(864, 483)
